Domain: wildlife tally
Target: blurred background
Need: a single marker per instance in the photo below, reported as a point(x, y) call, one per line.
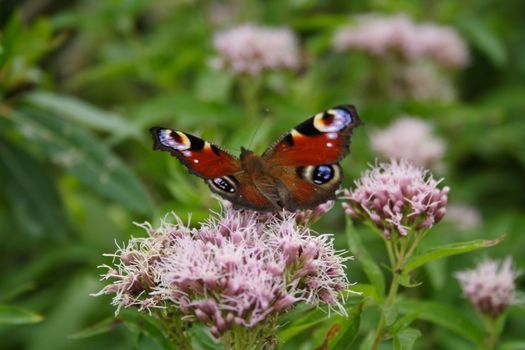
point(438, 82)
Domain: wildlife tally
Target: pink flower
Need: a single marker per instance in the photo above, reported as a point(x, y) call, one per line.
point(397, 197)
point(250, 49)
point(377, 35)
point(383, 36)
point(134, 273)
point(309, 216)
point(410, 138)
point(443, 44)
point(423, 82)
point(490, 286)
point(463, 216)
point(237, 268)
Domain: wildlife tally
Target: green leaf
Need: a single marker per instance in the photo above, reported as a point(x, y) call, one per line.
point(101, 327)
point(444, 316)
point(68, 312)
point(15, 315)
point(149, 326)
point(34, 201)
point(82, 113)
point(402, 323)
point(214, 85)
point(512, 345)
point(448, 250)
point(484, 40)
point(186, 111)
point(18, 289)
point(405, 281)
point(8, 38)
point(47, 262)
point(349, 329)
point(367, 290)
point(85, 157)
point(405, 339)
point(371, 269)
point(311, 319)
point(202, 339)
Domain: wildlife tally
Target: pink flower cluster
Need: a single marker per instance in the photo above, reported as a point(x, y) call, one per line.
point(237, 268)
point(490, 286)
point(381, 36)
point(309, 216)
point(464, 217)
point(422, 81)
point(250, 49)
point(397, 197)
point(410, 138)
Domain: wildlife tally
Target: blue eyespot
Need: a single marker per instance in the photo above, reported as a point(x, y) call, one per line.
point(322, 174)
point(223, 184)
point(345, 115)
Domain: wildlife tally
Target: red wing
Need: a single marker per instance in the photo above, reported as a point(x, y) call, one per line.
point(200, 157)
point(321, 139)
point(302, 193)
point(241, 191)
point(250, 197)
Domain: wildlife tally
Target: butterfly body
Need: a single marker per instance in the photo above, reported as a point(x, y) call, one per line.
point(299, 171)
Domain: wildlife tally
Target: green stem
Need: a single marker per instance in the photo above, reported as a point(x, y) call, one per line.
point(492, 332)
point(391, 255)
point(394, 286)
point(249, 87)
point(399, 251)
point(258, 337)
point(176, 332)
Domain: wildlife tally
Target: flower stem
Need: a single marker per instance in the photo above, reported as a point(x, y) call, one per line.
point(249, 88)
point(394, 286)
point(402, 251)
point(176, 332)
point(492, 332)
point(254, 338)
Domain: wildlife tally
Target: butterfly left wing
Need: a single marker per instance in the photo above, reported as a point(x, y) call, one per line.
point(200, 157)
point(321, 139)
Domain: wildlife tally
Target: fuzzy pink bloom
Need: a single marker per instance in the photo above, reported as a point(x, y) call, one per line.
point(463, 216)
point(238, 267)
point(134, 270)
point(422, 81)
point(443, 44)
point(397, 197)
point(309, 216)
point(251, 49)
point(410, 138)
point(384, 35)
point(490, 286)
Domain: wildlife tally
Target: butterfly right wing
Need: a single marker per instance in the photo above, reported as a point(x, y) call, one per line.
point(321, 139)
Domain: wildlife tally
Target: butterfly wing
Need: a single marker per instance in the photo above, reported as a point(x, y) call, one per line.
point(304, 161)
point(304, 188)
point(221, 171)
point(321, 139)
point(200, 157)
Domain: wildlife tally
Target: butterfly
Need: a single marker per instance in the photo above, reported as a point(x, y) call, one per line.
point(299, 171)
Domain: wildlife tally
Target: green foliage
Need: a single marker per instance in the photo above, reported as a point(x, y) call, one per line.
point(81, 82)
point(15, 315)
point(448, 250)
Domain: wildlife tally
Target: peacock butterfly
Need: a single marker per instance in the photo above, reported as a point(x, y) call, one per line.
point(299, 171)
